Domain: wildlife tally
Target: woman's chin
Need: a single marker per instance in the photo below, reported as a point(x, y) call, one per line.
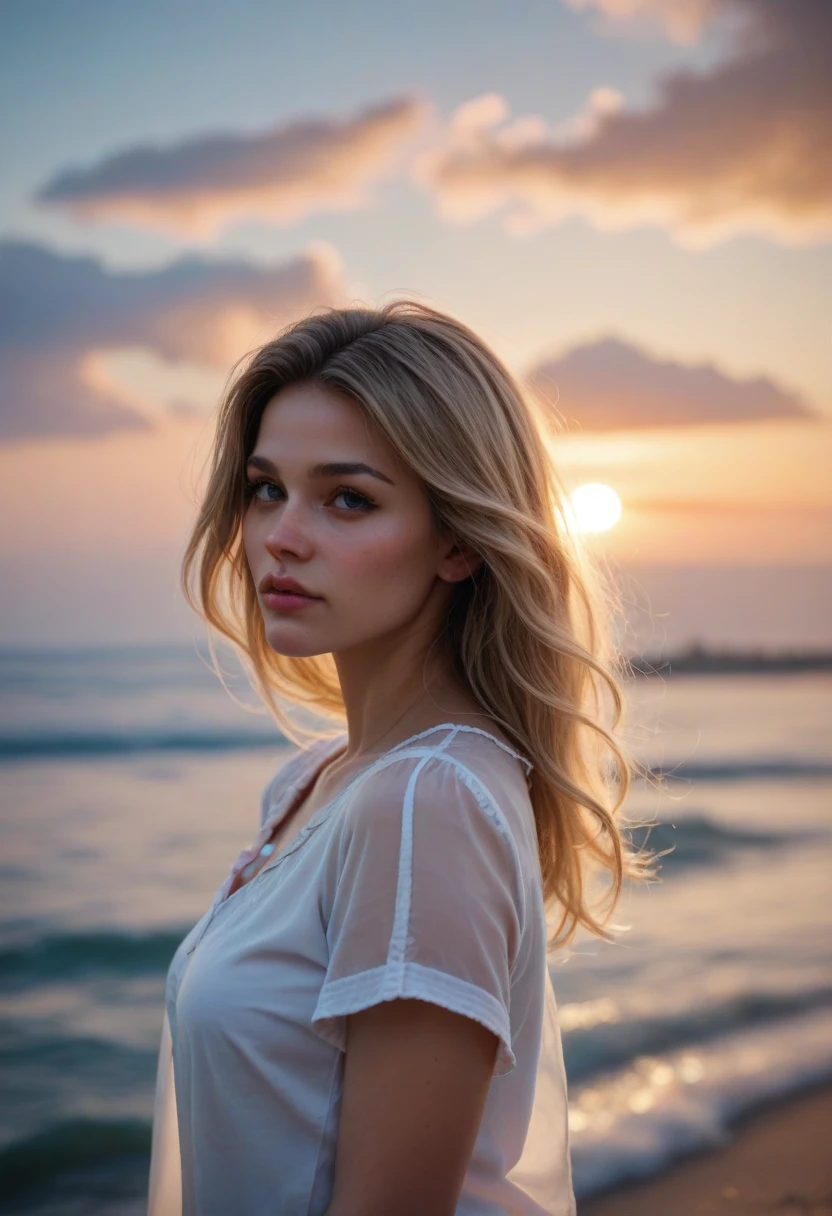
point(279, 639)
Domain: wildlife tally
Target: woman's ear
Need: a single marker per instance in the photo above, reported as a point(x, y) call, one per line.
point(457, 560)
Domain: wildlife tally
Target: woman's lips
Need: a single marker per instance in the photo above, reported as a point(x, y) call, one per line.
point(288, 601)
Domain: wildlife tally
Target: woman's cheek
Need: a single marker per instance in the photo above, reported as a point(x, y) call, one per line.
point(388, 556)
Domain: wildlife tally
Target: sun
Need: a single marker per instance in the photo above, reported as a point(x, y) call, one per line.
point(593, 507)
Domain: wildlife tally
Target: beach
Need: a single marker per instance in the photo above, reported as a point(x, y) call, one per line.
point(779, 1160)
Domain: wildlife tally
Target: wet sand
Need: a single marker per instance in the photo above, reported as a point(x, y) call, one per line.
point(778, 1162)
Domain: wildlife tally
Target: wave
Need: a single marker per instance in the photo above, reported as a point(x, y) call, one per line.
point(87, 1059)
point(697, 840)
point(94, 744)
point(635, 1122)
point(195, 738)
point(71, 1145)
point(65, 956)
point(592, 1051)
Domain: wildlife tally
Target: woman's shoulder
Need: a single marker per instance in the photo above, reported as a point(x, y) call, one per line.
point(441, 809)
point(476, 756)
point(462, 744)
point(444, 768)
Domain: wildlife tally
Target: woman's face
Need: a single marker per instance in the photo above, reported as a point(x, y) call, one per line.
point(358, 536)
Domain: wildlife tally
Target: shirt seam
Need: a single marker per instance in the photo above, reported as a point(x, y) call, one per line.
point(336, 1065)
point(490, 808)
point(404, 889)
point(353, 993)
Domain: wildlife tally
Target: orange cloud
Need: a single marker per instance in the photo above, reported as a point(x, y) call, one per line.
point(682, 19)
point(202, 185)
point(740, 148)
point(59, 314)
point(610, 385)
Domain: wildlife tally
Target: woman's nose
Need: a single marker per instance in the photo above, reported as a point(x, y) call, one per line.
point(289, 530)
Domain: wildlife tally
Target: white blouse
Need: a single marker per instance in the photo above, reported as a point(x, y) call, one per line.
point(420, 879)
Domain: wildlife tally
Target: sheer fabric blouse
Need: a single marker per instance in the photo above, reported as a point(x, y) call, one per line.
point(420, 879)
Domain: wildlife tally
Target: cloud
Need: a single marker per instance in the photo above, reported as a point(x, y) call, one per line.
point(683, 20)
point(740, 148)
point(59, 316)
point(202, 185)
point(611, 385)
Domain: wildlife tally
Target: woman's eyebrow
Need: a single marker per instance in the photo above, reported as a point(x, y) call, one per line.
point(342, 468)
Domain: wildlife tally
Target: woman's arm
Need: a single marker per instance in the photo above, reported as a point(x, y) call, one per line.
point(416, 1078)
point(165, 1182)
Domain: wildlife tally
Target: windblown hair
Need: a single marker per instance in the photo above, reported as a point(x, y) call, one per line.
point(529, 631)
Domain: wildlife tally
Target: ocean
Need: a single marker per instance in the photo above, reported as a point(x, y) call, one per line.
point(131, 780)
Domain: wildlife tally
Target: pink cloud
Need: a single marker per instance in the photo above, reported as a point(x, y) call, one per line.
point(740, 148)
point(58, 314)
point(202, 185)
point(682, 20)
point(611, 385)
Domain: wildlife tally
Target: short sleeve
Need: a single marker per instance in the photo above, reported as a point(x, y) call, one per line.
point(428, 901)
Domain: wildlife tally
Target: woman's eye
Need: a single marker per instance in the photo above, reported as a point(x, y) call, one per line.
point(268, 492)
point(362, 503)
point(260, 490)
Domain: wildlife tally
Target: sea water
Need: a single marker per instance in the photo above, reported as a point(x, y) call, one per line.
point(131, 780)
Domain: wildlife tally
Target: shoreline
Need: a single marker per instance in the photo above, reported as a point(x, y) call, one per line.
point(778, 1161)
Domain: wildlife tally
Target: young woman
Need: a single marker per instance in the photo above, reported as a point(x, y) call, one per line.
point(363, 1023)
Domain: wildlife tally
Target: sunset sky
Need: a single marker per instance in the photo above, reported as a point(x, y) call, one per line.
point(631, 200)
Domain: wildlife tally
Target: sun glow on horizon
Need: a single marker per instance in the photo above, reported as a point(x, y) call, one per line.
point(593, 507)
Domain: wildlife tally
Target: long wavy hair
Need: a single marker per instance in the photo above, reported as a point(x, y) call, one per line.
point(529, 630)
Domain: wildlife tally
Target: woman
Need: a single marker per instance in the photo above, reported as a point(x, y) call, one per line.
point(363, 1021)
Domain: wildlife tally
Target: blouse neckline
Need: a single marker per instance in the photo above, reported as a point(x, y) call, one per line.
point(306, 780)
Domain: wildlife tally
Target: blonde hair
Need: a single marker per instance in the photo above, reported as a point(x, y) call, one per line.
point(528, 630)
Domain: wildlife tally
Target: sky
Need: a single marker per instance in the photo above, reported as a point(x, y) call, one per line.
point(630, 200)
